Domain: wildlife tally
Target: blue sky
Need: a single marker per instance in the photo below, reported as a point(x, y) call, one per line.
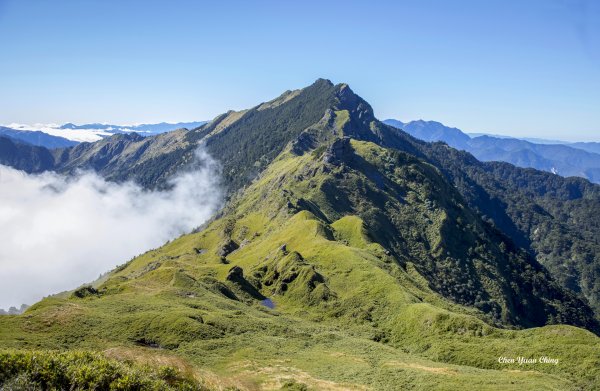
point(524, 68)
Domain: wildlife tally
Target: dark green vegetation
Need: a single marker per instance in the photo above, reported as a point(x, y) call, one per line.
point(150, 161)
point(265, 130)
point(553, 218)
point(80, 370)
point(26, 157)
point(349, 256)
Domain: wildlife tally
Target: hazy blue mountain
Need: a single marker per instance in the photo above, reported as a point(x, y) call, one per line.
point(70, 125)
point(593, 147)
point(534, 140)
point(166, 127)
point(473, 135)
point(37, 138)
point(432, 131)
point(590, 146)
point(576, 159)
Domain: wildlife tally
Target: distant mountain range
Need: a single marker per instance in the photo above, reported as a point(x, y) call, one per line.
point(141, 128)
point(590, 147)
point(567, 159)
point(69, 134)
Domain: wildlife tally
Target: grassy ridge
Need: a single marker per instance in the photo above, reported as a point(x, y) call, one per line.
point(553, 219)
point(346, 314)
point(343, 265)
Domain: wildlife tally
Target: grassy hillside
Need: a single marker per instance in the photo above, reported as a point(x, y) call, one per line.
point(80, 370)
point(290, 290)
point(349, 256)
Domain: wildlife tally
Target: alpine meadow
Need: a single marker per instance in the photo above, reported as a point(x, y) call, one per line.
point(349, 255)
point(298, 243)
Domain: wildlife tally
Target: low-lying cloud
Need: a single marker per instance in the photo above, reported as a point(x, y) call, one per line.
point(59, 232)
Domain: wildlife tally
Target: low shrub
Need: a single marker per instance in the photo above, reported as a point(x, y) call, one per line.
point(83, 370)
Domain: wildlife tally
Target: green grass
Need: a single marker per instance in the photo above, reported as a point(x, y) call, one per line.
point(342, 117)
point(82, 370)
point(347, 314)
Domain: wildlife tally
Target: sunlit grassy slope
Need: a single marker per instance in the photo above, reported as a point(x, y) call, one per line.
point(354, 307)
point(552, 220)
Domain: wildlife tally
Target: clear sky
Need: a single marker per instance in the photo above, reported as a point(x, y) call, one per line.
point(524, 68)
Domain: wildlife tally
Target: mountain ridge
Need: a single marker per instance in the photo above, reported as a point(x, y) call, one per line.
point(373, 248)
point(566, 159)
point(151, 161)
point(54, 136)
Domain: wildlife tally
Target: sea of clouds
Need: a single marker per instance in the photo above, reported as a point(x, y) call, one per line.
point(80, 135)
point(59, 232)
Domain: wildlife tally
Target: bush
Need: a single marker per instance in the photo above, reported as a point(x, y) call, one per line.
point(85, 291)
point(80, 370)
point(292, 385)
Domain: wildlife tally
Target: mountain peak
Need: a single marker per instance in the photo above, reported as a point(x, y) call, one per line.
point(323, 82)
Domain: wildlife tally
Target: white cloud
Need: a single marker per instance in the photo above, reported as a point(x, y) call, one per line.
point(80, 135)
point(60, 232)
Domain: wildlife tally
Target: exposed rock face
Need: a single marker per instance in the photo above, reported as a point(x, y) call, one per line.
point(236, 274)
point(303, 143)
point(227, 248)
point(360, 114)
point(338, 151)
point(241, 285)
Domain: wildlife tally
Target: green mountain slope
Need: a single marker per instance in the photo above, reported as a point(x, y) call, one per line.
point(552, 217)
point(25, 157)
point(555, 219)
point(149, 161)
point(252, 139)
point(346, 260)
